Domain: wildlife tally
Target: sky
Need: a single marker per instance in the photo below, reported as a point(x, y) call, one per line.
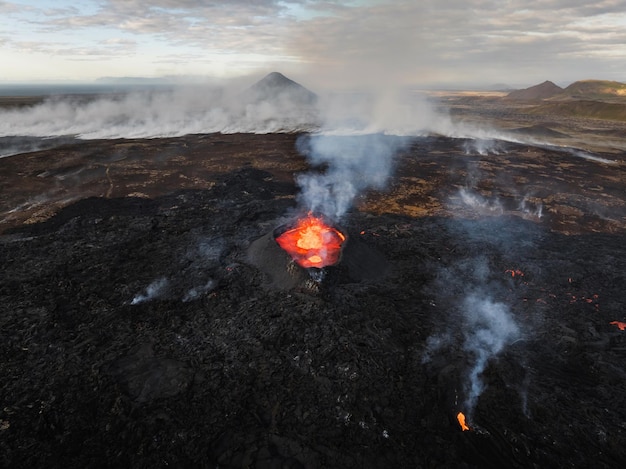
point(320, 43)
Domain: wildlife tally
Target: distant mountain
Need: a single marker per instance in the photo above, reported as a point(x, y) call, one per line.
point(278, 103)
point(500, 87)
point(133, 80)
point(593, 89)
point(545, 90)
point(590, 99)
point(276, 86)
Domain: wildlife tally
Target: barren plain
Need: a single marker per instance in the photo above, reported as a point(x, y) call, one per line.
point(138, 330)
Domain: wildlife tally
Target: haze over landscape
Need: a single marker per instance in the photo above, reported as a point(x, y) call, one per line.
point(321, 44)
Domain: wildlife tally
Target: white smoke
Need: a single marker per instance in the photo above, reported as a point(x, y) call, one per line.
point(588, 156)
point(197, 292)
point(489, 328)
point(164, 113)
point(483, 146)
point(155, 290)
point(201, 261)
point(479, 203)
point(390, 111)
point(200, 109)
point(352, 163)
point(530, 209)
point(435, 344)
point(360, 135)
point(519, 200)
point(472, 290)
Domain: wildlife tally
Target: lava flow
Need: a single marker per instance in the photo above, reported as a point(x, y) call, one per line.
point(312, 243)
point(514, 273)
point(461, 419)
point(621, 325)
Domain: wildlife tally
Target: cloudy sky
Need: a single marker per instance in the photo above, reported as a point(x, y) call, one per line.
point(320, 43)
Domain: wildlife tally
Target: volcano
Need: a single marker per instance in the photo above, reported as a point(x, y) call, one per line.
point(545, 90)
point(276, 87)
point(311, 242)
point(150, 317)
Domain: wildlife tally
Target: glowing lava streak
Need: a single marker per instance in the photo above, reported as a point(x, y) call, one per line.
point(461, 418)
point(621, 325)
point(312, 243)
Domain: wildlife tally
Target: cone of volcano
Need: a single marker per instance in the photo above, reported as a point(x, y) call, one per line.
point(312, 243)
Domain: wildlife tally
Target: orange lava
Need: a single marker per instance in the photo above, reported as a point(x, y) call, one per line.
point(621, 325)
point(461, 418)
point(312, 243)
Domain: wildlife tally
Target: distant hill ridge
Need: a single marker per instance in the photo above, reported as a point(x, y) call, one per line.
point(276, 85)
point(545, 90)
point(593, 89)
point(579, 90)
point(594, 99)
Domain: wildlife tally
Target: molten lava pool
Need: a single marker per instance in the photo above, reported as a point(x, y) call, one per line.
point(312, 242)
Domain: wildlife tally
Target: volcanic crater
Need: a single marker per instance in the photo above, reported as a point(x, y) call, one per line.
point(149, 317)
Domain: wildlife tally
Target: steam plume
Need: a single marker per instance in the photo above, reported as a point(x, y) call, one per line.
point(479, 203)
point(353, 163)
point(479, 320)
point(359, 135)
point(195, 109)
point(164, 113)
point(490, 327)
point(153, 291)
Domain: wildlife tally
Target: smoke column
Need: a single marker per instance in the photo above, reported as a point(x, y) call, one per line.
point(489, 328)
point(354, 148)
point(353, 164)
point(155, 290)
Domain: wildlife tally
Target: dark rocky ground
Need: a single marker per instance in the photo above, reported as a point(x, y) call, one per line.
point(138, 330)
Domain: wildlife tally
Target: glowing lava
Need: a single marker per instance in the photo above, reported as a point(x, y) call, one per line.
point(461, 418)
point(312, 243)
point(621, 325)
